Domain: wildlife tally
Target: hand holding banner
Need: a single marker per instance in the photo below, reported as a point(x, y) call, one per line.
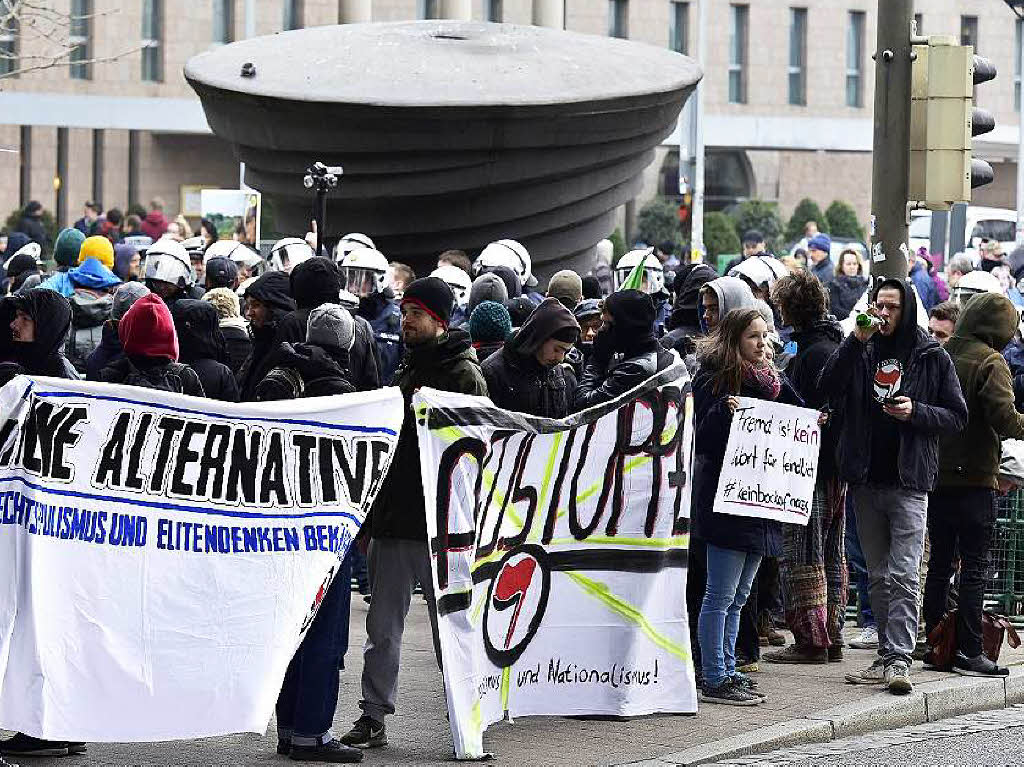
point(771, 462)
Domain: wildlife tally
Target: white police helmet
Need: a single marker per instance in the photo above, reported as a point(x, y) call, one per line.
point(237, 251)
point(760, 272)
point(288, 253)
point(972, 283)
point(457, 280)
point(351, 241)
point(506, 253)
point(194, 246)
point(654, 272)
point(168, 261)
point(365, 271)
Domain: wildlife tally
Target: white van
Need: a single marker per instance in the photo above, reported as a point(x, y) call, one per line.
point(997, 224)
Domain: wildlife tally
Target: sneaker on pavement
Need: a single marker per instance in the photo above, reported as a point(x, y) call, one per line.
point(835, 652)
point(797, 654)
point(897, 678)
point(873, 674)
point(25, 745)
point(366, 733)
point(729, 694)
point(977, 666)
point(334, 751)
point(77, 747)
point(744, 682)
point(867, 639)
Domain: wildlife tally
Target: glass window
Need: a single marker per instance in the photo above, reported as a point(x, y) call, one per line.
point(8, 42)
point(797, 56)
point(223, 21)
point(293, 12)
point(494, 10)
point(618, 18)
point(679, 27)
point(855, 60)
point(738, 55)
point(152, 37)
point(78, 39)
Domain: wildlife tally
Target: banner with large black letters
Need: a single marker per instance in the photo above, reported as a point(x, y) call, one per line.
point(559, 553)
point(161, 556)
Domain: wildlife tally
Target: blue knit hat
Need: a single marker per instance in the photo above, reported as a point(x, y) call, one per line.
point(820, 242)
point(489, 322)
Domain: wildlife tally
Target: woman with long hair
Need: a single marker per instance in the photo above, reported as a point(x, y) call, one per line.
point(735, 360)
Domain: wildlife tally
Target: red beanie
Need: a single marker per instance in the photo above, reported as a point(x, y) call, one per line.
point(147, 330)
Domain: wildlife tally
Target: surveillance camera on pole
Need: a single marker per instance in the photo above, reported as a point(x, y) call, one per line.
point(321, 178)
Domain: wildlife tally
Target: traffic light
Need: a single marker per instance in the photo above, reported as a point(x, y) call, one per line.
point(943, 120)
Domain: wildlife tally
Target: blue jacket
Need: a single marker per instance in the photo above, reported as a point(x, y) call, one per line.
point(89, 274)
point(386, 321)
point(925, 286)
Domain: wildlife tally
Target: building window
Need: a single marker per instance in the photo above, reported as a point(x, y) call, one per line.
point(855, 60)
point(8, 42)
point(79, 39)
point(798, 56)
point(223, 21)
point(152, 36)
point(679, 27)
point(738, 55)
point(293, 12)
point(618, 18)
point(494, 10)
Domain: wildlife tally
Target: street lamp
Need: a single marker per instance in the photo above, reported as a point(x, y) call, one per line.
point(1017, 6)
point(321, 178)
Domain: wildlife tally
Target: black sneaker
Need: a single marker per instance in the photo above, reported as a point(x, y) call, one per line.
point(26, 745)
point(333, 751)
point(77, 747)
point(977, 666)
point(745, 682)
point(367, 733)
point(729, 694)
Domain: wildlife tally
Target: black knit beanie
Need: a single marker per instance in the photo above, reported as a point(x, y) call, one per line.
point(315, 281)
point(433, 295)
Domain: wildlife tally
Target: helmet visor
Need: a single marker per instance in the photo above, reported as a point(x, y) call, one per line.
point(360, 281)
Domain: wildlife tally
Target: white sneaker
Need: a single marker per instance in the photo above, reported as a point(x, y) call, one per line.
point(897, 678)
point(873, 674)
point(867, 639)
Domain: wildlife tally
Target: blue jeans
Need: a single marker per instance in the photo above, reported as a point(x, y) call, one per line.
point(855, 557)
point(730, 576)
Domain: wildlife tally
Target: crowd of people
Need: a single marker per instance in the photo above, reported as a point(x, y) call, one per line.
point(912, 403)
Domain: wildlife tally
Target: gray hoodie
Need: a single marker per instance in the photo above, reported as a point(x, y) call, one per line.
point(732, 292)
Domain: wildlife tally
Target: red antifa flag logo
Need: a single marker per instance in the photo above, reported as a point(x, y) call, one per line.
point(511, 590)
point(888, 377)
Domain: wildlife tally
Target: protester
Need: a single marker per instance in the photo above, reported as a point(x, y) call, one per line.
point(22, 267)
point(519, 310)
point(923, 284)
point(588, 315)
point(91, 304)
point(36, 324)
point(625, 351)
point(155, 224)
point(220, 273)
point(201, 346)
point(109, 348)
point(719, 297)
point(591, 287)
point(513, 286)
point(848, 286)
point(31, 224)
point(458, 259)
point(527, 374)
point(90, 212)
point(318, 281)
point(903, 388)
point(813, 563)
point(733, 362)
point(819, 248)
point(399, 554)
point(267, 303)
point(109, 226)
point(365, 276)
point(127, 262)
point(684, 325)
point(489, 325)
point(942, 321)
point(487, 287)
point(232, 325)
point(132, 234)
point(753, 245)
point(958, 266)
point(962, 508)
point(567, 287)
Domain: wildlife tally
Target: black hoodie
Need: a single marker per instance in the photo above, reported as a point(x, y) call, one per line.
point(684, 322)
point(201, 346)
point(51, 313)
point(814, 346)
point(516, 381)
point(272, 290)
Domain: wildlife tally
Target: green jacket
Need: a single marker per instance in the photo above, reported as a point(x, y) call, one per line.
point(449, 364)
point(971, 458)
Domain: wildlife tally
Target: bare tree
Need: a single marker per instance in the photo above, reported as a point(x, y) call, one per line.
point(35, 35)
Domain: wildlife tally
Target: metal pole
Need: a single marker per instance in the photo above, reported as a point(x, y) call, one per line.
point(891, 153)
point(1020, 147)
point(697, 210)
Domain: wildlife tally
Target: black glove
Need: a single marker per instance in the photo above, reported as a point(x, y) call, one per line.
point(603, 348)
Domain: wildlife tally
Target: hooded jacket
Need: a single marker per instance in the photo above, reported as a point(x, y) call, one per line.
point(44, 356)
point(843, 294)
point(516, 381)
point(447, 363)
point(625, 355)
point(271, 289)
point(856, 377)
point(237, 342)
point(306, 370)
point(814, 347)
point(89, 310)
point(685, 322)
point(732, 293)
point(201, 346)
point(971, 459)
point(154, 225)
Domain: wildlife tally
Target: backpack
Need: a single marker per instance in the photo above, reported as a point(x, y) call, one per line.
point(166, 378)
point(88, 313)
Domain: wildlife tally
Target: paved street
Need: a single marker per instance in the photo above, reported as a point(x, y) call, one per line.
point(419, 733)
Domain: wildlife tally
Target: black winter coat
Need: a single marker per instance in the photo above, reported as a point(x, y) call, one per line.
point(364, 356)
point(713, 420)
point(305, 370)
point(519, 383)
point(449, 364)
point(814, 347)
point(844, 292)
point(105, 354)
point(150, 373)
point(929, 381)
point(237, 344)
point(600, 384)
point(217, 379)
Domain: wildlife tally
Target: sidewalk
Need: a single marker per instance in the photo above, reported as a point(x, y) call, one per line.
point(419, 733)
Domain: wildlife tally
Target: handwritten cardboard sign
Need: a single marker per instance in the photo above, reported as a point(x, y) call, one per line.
point(771, 462)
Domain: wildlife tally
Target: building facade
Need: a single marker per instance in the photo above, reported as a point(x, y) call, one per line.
point(789, 90)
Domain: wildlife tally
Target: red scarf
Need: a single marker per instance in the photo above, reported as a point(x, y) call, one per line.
point(763, 379)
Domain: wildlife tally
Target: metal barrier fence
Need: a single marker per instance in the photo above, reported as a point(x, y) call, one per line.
point(1005, 589)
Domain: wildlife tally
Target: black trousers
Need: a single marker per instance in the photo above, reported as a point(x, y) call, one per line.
point(959, 519)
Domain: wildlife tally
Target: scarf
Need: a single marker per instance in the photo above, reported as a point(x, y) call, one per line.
point(764, 380)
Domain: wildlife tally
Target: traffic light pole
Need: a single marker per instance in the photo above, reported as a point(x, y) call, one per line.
point(891, 150)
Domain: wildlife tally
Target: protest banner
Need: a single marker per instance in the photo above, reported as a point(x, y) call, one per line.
point(771, 462)
point(161, 556)
point(559, 553)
